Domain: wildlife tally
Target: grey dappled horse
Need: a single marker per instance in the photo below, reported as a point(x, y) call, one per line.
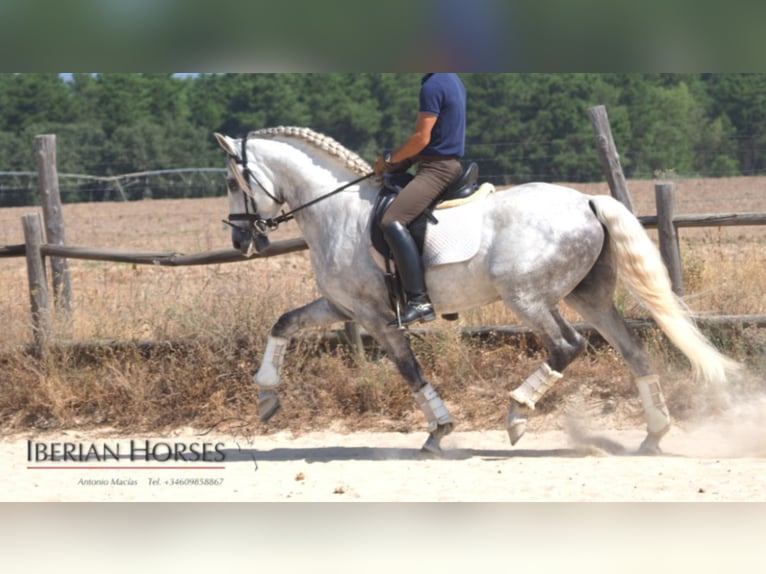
point(535, 245)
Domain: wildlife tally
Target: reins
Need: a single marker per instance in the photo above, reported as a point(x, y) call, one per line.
point(291, 214)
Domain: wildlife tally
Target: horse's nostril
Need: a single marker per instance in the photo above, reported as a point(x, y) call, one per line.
point(261, 243)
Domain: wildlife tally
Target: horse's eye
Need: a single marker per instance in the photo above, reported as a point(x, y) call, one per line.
point(232, 184)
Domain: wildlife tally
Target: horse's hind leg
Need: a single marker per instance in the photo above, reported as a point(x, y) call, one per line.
point(269, 376)
point(600, 312)
point(564, 344)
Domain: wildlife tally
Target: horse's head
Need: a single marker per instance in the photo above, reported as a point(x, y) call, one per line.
point(252, 199)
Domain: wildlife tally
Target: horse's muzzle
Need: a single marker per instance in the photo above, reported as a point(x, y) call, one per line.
point(247, 242)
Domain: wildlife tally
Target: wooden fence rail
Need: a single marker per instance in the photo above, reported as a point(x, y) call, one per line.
point(709, 220)
point(36, 251)
point(169, 258)
point(173, 259)
point(18, 250)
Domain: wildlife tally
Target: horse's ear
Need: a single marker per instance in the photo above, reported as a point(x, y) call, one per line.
point(226, 143)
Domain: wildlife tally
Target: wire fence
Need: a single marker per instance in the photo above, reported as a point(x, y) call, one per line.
point(20, 188)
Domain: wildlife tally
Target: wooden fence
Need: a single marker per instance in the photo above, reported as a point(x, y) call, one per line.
point(47, 239)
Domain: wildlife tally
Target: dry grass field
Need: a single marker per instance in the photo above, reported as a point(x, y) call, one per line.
point(214, 321)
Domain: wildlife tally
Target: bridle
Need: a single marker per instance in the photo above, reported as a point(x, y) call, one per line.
point(258, 223)
point(242, 179)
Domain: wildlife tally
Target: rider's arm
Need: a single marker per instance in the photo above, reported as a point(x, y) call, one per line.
point(414, 145)
point(423, 126)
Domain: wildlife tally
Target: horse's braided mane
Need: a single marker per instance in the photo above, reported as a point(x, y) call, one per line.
point(321, 141)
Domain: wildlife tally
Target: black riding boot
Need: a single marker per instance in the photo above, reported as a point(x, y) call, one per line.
point(409, 265)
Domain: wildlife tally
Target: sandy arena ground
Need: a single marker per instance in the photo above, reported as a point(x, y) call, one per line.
point(723, 460)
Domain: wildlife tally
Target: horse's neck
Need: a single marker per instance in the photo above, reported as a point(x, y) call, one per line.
point(305, 176)
point(301, 175)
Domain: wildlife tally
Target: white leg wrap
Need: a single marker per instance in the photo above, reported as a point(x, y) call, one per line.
point(270, 374)
point(433, 407)
point(536, 385)
point(655, 409)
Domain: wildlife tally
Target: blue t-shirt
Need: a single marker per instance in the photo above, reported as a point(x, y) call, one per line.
point(444, 95)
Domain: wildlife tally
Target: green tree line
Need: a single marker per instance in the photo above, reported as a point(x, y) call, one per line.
point(521, 127)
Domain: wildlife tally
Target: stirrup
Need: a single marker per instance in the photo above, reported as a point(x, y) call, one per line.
point(413, 311)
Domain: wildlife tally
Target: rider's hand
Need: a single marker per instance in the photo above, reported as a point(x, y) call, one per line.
point(380, 165)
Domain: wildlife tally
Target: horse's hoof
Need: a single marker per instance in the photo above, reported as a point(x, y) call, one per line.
point(651, 444)
point(433, 442)
point(516, 423)
point(432, 446)
point(268, 405)
point(516, 430)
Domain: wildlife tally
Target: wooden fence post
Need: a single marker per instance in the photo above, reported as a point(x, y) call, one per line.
point(665, 198)
point(38, 283)
point(45, 147)
point(610, 159)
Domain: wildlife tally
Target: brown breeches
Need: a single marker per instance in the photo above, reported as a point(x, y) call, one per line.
point(432, 178)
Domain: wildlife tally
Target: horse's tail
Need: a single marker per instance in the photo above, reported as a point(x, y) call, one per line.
point(641, 268)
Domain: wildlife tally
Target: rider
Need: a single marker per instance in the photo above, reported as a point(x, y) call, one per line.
point(436, 146)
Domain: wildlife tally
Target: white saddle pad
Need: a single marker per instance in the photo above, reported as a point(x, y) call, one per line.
point(457, 236)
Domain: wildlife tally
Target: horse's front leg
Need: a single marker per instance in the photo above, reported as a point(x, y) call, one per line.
point(397, 346)
point(269, 376)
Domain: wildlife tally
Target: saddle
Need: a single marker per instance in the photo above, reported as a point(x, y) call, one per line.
point(393, 183)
